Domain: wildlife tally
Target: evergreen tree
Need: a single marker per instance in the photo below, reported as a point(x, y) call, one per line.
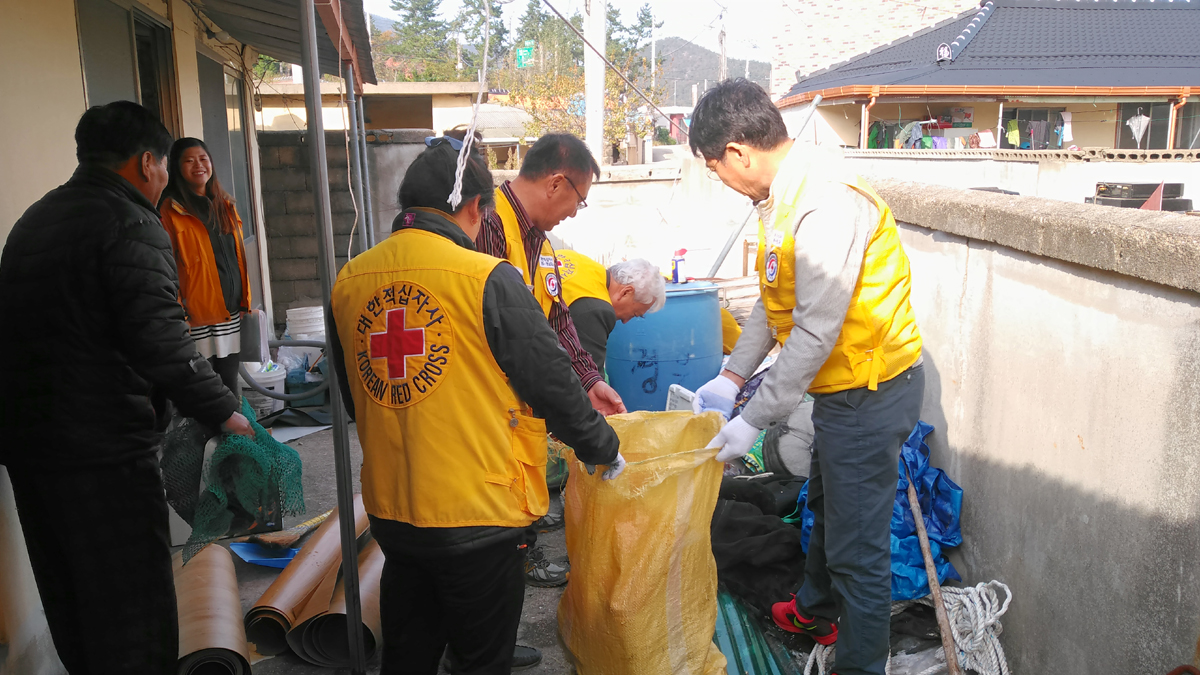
point(468, 25)
point(417, 48)
point(533, 22)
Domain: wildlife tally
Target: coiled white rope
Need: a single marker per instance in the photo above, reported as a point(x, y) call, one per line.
point(974, 622)
point(821, 657)
point(469, 140)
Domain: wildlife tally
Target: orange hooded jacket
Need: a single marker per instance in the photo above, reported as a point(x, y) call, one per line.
point(199, 286)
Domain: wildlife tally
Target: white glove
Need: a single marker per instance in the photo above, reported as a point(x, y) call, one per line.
point(613, 470)
point(719, 393)
point(735, 439)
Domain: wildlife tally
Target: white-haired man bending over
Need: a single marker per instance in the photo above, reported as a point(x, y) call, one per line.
point(597, 297)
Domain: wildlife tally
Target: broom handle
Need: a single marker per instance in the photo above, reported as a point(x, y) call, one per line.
point(935, 589)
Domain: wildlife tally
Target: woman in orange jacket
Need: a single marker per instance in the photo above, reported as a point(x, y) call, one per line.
point(206, 237)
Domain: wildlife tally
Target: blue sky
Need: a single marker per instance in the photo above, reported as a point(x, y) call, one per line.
point(695, 20)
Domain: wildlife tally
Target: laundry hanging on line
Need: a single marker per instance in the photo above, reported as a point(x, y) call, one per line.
point(1067, 136)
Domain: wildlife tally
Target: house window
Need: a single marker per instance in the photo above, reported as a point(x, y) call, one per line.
point(127, 57)
point(1047, 138)
point(156, 87)
point(1187, 127)
point(1153, 118)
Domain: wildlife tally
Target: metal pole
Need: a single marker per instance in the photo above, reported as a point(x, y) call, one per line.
point(356, 174)
point(341, 441)
point(369, 201)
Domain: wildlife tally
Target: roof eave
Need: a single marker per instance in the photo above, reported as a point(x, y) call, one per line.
point(866, 90)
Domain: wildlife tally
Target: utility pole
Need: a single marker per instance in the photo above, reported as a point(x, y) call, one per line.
point(723, 72)
point(593, 78)
point(747, 75)
point(649, 154)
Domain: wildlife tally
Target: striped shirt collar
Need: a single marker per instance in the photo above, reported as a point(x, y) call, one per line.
point(528, 231)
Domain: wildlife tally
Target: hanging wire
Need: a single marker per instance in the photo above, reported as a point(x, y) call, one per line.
point(614, 68)
point(346, 135)
point(469, 140)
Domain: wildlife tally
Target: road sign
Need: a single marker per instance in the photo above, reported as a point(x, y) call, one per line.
point(529, 43)
point(524, 57)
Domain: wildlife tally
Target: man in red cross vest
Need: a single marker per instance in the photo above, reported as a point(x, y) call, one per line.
point(453, 378)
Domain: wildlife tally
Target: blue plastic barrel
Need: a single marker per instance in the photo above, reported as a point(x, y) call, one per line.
point(679, 344)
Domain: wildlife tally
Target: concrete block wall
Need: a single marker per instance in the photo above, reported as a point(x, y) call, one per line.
point(291, 225)
point(813, 34)
point(1062, 377)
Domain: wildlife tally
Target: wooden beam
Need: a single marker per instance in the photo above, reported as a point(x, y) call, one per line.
point(330, 12)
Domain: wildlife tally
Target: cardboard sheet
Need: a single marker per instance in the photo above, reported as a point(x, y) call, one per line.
point(212, 640)
point(310, 578)
point(320, 637)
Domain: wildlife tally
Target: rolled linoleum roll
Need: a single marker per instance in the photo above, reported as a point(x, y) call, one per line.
point(212, 640)
point(321, 637)
point(310, 577)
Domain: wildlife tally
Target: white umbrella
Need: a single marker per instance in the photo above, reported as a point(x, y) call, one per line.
point(1138, 125)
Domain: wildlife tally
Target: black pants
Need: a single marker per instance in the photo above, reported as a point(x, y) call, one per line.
point(469, 601)
point(851, 490)
point(100, 550)
point(227, 368)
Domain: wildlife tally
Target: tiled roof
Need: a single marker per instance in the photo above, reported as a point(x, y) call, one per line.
point(1108, 43)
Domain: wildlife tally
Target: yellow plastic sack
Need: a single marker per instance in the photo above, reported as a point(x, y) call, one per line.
point(642, 596)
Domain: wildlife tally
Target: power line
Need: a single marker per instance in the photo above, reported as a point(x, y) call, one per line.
point(608, 63)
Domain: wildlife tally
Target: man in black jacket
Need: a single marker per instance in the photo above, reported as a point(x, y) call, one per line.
point(97, 343)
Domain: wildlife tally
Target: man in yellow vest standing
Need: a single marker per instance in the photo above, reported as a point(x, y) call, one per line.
point(555, 179)
point(834, 292)
point(445, 357)
point(598, 298)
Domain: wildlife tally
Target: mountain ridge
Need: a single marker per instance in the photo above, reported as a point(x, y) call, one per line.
point(684, 64)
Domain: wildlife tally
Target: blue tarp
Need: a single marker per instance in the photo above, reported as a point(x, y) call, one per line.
point(941, 506)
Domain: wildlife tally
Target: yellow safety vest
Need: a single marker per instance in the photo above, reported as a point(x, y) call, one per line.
point(546, 286)
point(581, 277)
point(446, 441)
point(879, 338)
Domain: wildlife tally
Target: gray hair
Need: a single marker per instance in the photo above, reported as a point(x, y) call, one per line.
point(649, 287)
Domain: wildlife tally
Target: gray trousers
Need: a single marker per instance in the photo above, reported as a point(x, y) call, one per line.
point(851, 489)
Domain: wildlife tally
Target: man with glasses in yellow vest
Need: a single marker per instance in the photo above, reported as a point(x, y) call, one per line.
point(834, 292)
point(553, 184)
point(599, 297)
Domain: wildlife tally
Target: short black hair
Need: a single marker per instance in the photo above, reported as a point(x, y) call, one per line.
point(735, 111)
point(110, 134)
point(559, 153)
point(430, 180)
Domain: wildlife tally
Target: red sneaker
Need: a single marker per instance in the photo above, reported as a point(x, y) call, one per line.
point(789, 618)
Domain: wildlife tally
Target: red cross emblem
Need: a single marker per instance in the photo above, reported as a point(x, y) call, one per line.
point(397, 343)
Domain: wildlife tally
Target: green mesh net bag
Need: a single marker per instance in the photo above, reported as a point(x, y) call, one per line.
point(245, 478)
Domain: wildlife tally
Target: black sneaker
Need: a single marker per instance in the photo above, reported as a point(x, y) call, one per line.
point(540, 572)
point(524, 658)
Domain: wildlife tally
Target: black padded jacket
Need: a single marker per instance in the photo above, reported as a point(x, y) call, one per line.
point(95, 340)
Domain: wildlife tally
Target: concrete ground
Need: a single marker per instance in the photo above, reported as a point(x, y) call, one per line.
point(539, 627)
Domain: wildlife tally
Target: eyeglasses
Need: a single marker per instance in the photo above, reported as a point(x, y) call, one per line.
point(582, 204)
point(710, 170)
point(434, 141)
